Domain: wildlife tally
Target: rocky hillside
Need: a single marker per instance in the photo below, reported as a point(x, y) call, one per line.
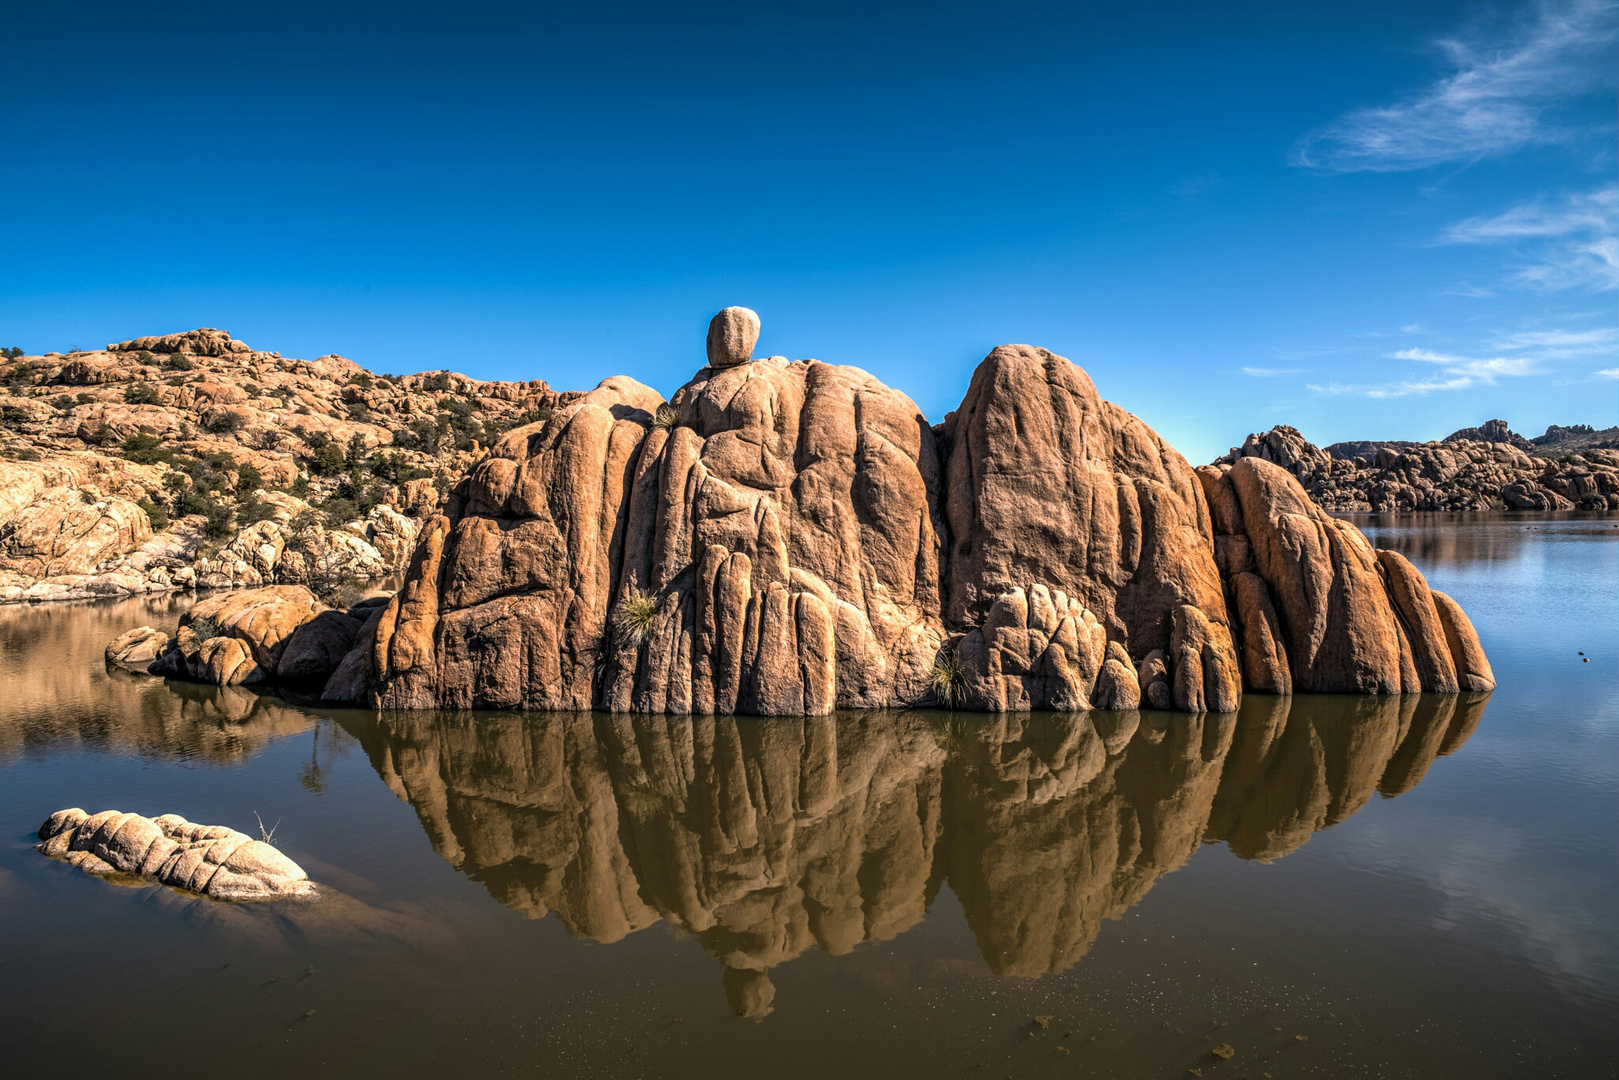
point(1484, 468)
point(786, 538)
point(194, 460)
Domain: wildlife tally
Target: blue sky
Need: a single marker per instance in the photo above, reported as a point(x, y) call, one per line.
point(1370, 220)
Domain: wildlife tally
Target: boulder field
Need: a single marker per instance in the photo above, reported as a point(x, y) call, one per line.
point(1489, 467)
point(193, 461)
point(790, 538)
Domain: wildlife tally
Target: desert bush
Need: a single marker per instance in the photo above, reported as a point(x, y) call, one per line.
point(141, 394)
point(156, 513)
point(947, 680)
point(633, 617)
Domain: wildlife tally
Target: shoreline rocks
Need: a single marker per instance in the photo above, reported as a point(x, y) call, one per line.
point(278, 633)
point(788, 538)
point(213, 860)
point(1484, 468)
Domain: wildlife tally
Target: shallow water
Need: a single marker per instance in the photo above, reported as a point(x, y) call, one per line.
point(1329, 886)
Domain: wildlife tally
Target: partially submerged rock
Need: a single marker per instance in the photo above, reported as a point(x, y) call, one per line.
point(135, 650)
point(210, 859)
point(789, 538)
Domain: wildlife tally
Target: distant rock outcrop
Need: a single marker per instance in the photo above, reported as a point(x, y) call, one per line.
point(195, 461)
point(789, 538)
point(1483, 468)
point(279, 633)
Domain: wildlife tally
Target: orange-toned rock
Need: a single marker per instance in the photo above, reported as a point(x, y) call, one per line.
point(788, 538)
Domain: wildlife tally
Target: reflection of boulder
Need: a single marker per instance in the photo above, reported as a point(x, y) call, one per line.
point(60, 692)
point(763, 838)
point(1038, 863)
point(1293, 773)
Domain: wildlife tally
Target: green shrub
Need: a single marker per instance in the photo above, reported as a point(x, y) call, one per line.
point(221, 519)
point(204, 626)
point(156, 513)
point(339, 512)
point(12, 415)
point(84, 397)
point(144, 357)
point(62, 402)
point(633, 617)
point(224, 422)
point(248, 479)
point(144, 449)
point(177, 362)
point(328, 460)
point(253, 511)
point(141, 394)
point(11, 353)
point(947, 680)
point(362, 380)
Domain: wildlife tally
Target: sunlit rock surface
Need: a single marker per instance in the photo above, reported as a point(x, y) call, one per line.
point(213, 860)
point(790, 538)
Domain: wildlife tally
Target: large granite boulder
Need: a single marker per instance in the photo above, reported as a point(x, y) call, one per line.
point(238, 637)
point(1318, 608)
point(789, 538)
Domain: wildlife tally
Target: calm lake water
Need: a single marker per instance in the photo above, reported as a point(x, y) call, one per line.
point(1329, 886)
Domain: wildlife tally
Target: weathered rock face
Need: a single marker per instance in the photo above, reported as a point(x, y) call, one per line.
point(789, 538)
point(1483, 468)
point(765, 839)
point(1074, 525)
point(1317, 608)
point(208, 859)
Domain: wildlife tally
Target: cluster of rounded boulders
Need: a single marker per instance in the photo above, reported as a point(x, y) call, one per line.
point(788, 538)
point(277, 632)
point(208, 859)
point(1475, 469)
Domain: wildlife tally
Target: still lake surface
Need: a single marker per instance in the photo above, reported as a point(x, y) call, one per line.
point(1426, 886)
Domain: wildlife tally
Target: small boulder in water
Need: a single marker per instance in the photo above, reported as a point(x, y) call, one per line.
point(134, 650)
point(213, 860)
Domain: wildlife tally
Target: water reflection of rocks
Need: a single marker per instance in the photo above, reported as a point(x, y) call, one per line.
point(764, 837)
point(60, 693)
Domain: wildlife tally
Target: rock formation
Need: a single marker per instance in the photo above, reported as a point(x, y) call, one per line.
point(193, 460)
point(209, 859)
point(765, 838)
point(789, 538)
point(277, 633)
point(1483, 468)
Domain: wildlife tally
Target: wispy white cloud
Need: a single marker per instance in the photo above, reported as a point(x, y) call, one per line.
point(1493, 102)
point(1562, 344)
point(1457, 373)
point(1607, 373)
point(1571, 242)
point(1474, 292)
point(1584, 212)
point(1270, 372)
